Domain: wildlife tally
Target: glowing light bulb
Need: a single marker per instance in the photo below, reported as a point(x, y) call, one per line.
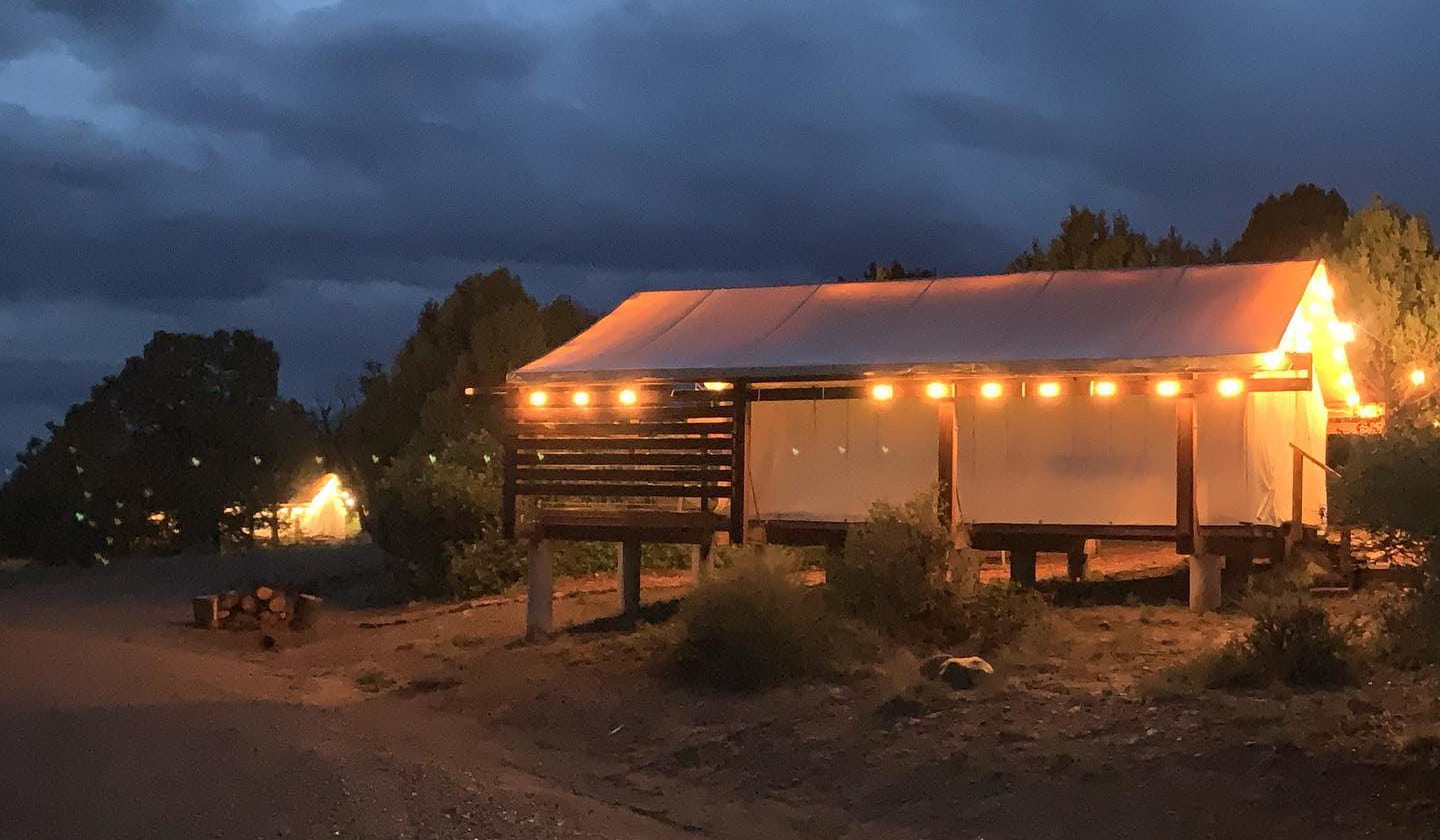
point(469, 390)
point(1048, 390)
point(991, 390)
point(580, 398)
point(937, 390)
point(716, 386)
point(1104, 388)
point(1342, 332)
point(882, 391)
point(1347, 380)
point(628, 397)
point(1352, 399)
point(1417, 377)
point(539, 398)
point(1338, 353)
point(1167, 388)
point(1369, 411)
point(1274, 360)
point(1230, 387)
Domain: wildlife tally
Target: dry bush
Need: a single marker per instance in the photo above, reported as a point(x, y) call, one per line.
point(1409, 625)
point(1293, 642)
point(753, 627)
point(894, 574)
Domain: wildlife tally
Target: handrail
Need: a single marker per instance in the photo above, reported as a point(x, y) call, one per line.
point(1316, 461)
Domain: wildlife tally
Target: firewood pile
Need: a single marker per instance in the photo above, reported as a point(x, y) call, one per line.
point(261, 608)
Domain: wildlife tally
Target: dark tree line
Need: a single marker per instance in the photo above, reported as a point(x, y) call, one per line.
point(188, 445)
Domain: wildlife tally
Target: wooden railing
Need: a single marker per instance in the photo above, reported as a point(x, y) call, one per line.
point(1298, 457)
point(663, 446)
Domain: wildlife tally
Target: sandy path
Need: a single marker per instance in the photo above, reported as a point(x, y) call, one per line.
point(109, 729)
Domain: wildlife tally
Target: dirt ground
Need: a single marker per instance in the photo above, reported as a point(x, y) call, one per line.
point(117, 720)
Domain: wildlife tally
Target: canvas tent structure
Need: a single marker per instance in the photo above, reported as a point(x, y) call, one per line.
point(1186, 403)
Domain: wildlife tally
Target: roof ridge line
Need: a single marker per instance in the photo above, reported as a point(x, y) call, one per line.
point(673, 324)
point(791, 314)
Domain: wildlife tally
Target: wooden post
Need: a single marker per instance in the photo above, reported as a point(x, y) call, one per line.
point(1187, 519)
point(540, 593)
point(1022, 566)
point(629, 569)
point(738, 517)
point(1075, 560)
point(1297, 499)
point(1205, 581)
point(945, 463)
point(702, 563)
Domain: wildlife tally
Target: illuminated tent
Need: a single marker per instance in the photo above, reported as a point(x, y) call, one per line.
point(323, 509)
point(1059, 403)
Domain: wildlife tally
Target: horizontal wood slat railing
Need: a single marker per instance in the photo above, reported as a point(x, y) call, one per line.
point(660, 448)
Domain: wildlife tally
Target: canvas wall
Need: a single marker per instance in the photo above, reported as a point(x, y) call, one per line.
point(1067, 461)
point(828, 460)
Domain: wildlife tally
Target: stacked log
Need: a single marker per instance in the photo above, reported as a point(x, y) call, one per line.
point(264, 607)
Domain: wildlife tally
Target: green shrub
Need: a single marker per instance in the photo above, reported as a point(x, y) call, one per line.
point(997, 614)
point(891, 572)
point(1409, 634)
point(1293, 642)
point(892, 575)
point(434, 509)
point(483, 567)
point(752, 627)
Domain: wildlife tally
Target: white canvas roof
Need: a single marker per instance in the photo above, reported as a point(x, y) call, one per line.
point(1076, 319)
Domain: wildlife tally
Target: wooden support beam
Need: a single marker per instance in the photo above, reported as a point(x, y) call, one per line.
point(1187, 520)
point(1235, 578)
point(1205, 581)
point(629, 571)
point(739, 462)
point(702, 562)
point(1075, 561)
point(1022, 566)
point(1297, 499)
point(945, 464)
point(540, 592)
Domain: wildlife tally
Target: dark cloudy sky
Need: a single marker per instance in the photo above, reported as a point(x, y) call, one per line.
point(315, 170)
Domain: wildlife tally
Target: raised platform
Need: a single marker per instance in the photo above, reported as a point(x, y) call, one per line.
point(1257, 540)
point(621, 524)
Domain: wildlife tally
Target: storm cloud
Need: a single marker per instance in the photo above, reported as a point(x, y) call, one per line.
point(317, 169)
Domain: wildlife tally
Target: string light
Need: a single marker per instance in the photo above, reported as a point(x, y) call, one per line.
point(1338, 354)
point(1342, 332)
point(937, 390)
point(1369, 411)
point(1048, 390)
point(628, 397)
point(1274, 360)
point(716, 386)
point(469, 390)
point(1352, 399)
point(1167, 388)
point(539, 398)
point(1230, 387)
point(1347, 380)
point(1104, 388)
point(882, 391)
point(581, 398)
point(1417, 377)
point(991, 390)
